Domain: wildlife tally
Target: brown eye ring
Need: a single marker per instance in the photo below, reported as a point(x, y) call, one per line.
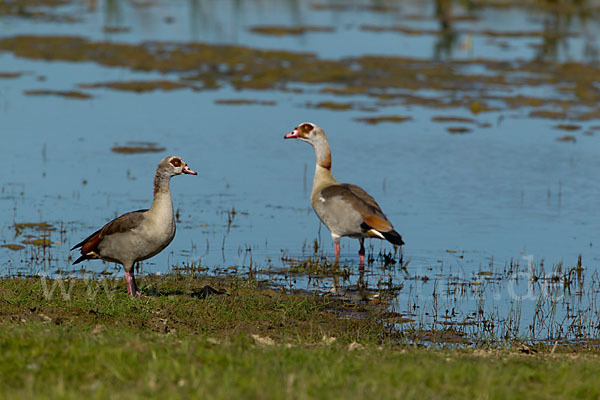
point(306, 128)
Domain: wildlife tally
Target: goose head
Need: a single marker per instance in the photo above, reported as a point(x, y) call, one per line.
point(173, 166)
point(308, 132)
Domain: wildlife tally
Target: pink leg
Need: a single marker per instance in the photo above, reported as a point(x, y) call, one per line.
point(361, 253)
point(131, 286)
point(132, 289)
point(336, 252)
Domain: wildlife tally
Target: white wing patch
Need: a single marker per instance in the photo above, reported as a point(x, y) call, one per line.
point(374, 233)
point(93, 254)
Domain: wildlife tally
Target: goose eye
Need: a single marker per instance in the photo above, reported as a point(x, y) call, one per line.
point(176, 162)
point(306, 128)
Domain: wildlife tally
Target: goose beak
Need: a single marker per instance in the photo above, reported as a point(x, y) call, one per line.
point(187, 170)
point(292, 135)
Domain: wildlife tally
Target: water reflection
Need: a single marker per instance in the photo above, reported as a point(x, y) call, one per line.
point(548, 28)
point(560, 25)
point(113, 13)
point(447, 38)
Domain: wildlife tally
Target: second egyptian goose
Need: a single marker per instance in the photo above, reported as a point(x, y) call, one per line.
point(138, 235)
point(346, 210)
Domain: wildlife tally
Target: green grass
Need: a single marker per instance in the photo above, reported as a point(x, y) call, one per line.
point(176, 306)
point(179, 345)
point(49, 361)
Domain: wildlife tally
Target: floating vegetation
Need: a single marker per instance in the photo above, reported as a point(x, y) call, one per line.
point(138, 147)
point(38, 226)
point(567, 138)
point(10, 75)
point(345, 91)
point(549, 114)
point(70, 94)
point(400, 29)
point(458, 129)
point(390, 81)
point(586, 116)
point(241, 102)
point(477, 107)
point(38, 242)
point(116, 29)
point(334, 106)
point(289, 30)
point(139, 86)
point(424, 101)
point(383, 118)
point(443, 118)
point(522, 34)
point(41, 226)
point(567, 127)
point(14, 247)
point(524, 101)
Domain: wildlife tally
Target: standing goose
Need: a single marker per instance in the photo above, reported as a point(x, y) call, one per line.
point(138, 235)
point(346, 210)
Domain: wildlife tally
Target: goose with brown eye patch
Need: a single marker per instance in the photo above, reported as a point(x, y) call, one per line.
point(138, 235)
point(346, 209)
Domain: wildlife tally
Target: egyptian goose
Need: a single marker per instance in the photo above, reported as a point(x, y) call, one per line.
point(346, 210)
point(138, 235)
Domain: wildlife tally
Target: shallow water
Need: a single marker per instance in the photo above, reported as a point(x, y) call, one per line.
point(463, 202)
